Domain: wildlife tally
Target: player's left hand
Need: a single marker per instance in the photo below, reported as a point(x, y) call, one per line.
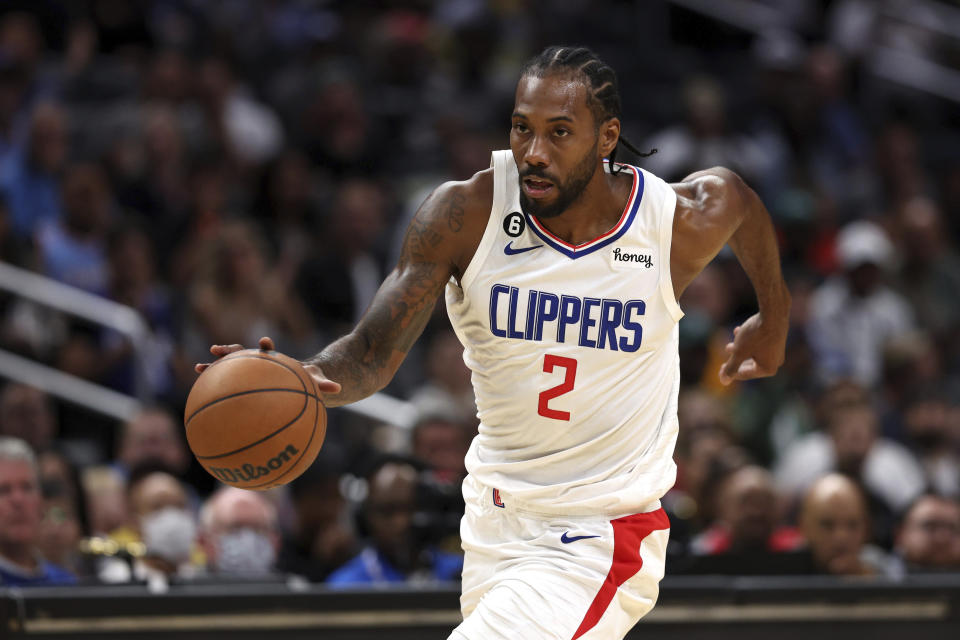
point(757, 350)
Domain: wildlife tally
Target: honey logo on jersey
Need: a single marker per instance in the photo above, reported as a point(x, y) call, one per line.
point(631, 258)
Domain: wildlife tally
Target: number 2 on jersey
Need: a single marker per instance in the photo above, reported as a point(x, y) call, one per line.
point(570, 366)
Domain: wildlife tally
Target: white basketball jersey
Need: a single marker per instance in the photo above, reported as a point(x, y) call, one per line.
point(574, 355)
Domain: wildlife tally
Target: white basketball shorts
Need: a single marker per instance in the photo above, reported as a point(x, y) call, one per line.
point(537, 576)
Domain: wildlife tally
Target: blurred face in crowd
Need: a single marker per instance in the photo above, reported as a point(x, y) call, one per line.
point(853, 431)
point(441, 444)
point(928, 424)
point(241, 536)
point(48, 139)
point(749, 507)
point(159, 504)
point(930, 535)
point(864, 278)
point(106, 496)
point(60, 530)
point(834, 522)
point(152, 436)
point(131, 260)
point(26, 413)
point(389, 510)
point(155, 492)
point(20, 504)
point(86, 198)
point(554, 142)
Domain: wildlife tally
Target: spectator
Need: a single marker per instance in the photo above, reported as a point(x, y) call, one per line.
point(322, 536)
point(442, 444)
point(748, 519)
point(134, 282)
point(853, 315)
point(392, 554)
point(930, 276)
point(27, 413)
point(105, 493)
point(338, 283)
point(21, 563)
point(152, 436)
point(704, 139)
point(162, 521)
point(239, 534)
point(834, 521)
point(447, 389)
point(62, 529)
point(239, 298)
point(29, 177)
point(72, 249)
point(930, 433)
point(249, 130)
point(851, 445)
point(929, 538)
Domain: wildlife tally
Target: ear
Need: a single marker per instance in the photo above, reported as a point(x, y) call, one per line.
point(608, 135)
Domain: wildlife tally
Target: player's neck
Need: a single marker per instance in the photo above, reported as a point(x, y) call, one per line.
point(596, 211)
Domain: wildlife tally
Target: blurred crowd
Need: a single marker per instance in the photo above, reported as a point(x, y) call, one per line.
point(239, 169)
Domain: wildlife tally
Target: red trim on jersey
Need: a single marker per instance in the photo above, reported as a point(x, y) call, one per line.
point(616, 227)
point(628, 534)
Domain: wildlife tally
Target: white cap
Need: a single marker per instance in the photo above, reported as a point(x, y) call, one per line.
point(864, 242)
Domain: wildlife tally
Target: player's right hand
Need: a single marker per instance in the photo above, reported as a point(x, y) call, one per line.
point(324, 384)
point(220, 350)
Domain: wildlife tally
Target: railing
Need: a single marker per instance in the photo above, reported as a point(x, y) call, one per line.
point(127, 322)
point(900, 65)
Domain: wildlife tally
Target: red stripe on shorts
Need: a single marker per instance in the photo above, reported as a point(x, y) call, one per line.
point(628, 534)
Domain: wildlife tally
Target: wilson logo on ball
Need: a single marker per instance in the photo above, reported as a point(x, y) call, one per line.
point(248, 472)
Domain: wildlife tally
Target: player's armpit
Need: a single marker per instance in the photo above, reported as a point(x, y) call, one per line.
point(438, 244)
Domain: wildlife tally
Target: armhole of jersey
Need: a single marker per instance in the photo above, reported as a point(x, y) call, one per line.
point(498, 160)
point(669, 205)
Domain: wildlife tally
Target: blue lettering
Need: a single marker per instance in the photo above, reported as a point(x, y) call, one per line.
point(640, 307)
point(586, 322)
point(512, 331)
point(495, 291)
point(531, 311)
point(569, 314)
point(545, 315)
point(609, 323)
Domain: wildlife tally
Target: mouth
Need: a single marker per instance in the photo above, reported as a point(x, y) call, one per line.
point(537, 187)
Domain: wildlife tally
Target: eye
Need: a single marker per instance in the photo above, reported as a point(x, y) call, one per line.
point(519, 127)
point(561, 132)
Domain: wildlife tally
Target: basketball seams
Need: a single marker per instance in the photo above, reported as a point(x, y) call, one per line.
point(303, 410)
point(306, 381)
point(255, 356)
point(271, 483)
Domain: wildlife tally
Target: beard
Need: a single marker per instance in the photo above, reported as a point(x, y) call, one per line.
point(567, 192)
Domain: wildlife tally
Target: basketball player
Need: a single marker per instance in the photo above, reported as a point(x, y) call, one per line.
point(562, 272)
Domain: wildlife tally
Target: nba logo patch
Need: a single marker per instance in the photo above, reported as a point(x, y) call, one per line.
point(496, 499)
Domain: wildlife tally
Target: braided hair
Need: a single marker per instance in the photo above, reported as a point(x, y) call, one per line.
point(603, 92)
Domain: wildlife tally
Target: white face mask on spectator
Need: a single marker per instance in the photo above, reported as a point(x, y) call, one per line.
point(169, 534)
point(245, 552)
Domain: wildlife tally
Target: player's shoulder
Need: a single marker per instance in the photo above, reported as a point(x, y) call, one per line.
point(474, 194)
point(716, 186)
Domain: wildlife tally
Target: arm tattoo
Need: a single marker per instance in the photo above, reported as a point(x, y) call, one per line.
point(455, 212)
point(366, 359)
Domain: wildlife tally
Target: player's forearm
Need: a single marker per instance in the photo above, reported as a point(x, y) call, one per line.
point(365, 360)
point(755, 244)
point(359, 373)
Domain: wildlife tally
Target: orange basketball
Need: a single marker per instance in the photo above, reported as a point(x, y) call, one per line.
point(254, 419)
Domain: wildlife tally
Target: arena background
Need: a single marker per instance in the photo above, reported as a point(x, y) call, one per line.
point(180, 173)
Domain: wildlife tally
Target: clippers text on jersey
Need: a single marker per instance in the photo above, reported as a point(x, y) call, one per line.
point(600, 323)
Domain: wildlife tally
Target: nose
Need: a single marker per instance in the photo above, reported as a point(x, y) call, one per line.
point(536, 153)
